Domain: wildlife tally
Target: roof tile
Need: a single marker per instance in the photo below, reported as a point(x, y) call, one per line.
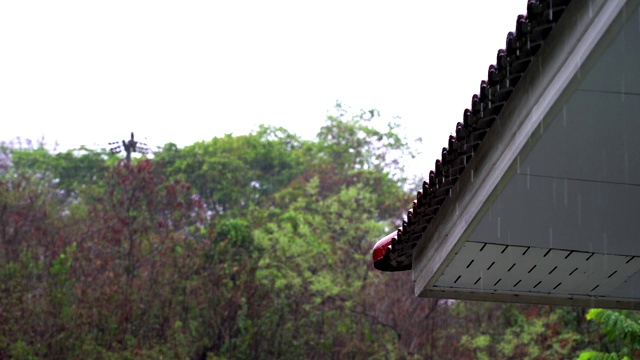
point(502, 77)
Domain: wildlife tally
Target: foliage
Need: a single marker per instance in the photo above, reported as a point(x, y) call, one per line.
point(622, 332)
point(518, 331)
point(70, 170)
point(231, 173)
point(253, 246)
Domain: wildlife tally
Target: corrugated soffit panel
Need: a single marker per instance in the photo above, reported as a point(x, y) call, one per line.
point(510, 269)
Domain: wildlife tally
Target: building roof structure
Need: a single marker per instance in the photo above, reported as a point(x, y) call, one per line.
point(476, 229)
point(503, 77)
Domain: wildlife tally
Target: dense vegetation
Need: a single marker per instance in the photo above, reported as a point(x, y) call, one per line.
point(253, 246)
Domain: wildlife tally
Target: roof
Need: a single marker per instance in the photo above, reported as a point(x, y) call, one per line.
point(395, 251)
point(546, 212)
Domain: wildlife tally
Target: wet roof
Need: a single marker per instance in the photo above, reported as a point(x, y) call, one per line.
point(503, 77)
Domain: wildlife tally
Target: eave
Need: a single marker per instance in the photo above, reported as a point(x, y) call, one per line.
point(571, 50)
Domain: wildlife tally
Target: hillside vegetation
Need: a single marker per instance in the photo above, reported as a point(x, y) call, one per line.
point(241, 247)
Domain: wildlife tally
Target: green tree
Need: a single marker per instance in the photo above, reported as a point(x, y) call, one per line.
point(350, 142)
point(515, 331)
point(254, 246)
point(70, 170)
point(234, 172)
point(621, 330)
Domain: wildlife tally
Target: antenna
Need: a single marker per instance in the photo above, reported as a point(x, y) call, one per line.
point(129, 146)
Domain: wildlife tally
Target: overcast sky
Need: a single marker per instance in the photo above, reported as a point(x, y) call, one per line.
point(89, 72)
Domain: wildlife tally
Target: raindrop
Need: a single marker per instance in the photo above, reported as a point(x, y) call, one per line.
point(579, 209)
point(528, 180)
point(590, 10)
point(554, 193)
point(564, 115)
point(541, 127)
point(472, 175)
point(624, 10)
point(498, 227)
point(518, 165)
point(626, 160)
point(566, 193)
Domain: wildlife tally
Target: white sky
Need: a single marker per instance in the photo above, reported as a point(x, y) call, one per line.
point(89, 72)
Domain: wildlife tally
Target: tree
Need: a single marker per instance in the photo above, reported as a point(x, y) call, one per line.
point(621, 330)
point(70, 170)
point(253, 246)
point(233, 172)
point(350, 143)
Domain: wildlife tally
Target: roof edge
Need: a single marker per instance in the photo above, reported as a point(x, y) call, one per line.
point(527, 298)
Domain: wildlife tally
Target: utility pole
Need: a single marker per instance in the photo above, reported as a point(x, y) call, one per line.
point(129, 146)
point(130, 257)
